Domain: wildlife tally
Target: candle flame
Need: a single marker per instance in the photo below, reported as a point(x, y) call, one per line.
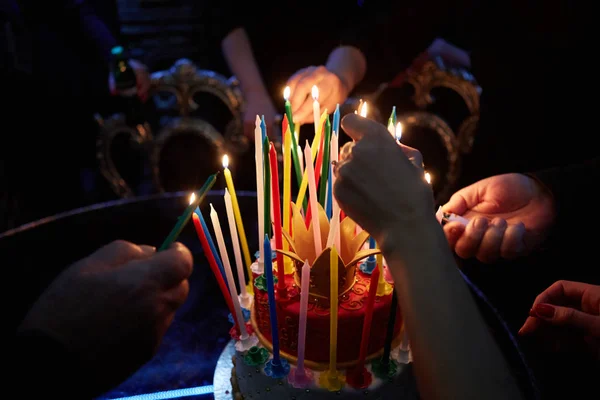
point(315, 93)
point(286, 93)
point(363, 110)
point(192, 198)
point(428, 177)
point(225, 161)
point(398, 131)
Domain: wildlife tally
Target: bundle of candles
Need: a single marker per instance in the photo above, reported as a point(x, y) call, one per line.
point(312, 170)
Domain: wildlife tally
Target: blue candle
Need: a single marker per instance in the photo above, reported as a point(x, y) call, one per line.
point(372, 245)
point(272, 305)
point(329, 200)
point(213, 249)
point(263, 128)
point(336, 120)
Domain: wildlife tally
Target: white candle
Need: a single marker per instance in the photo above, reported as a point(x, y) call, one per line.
point(229, 275)
point(301, 159)
point(244, 297)
point(316, 107)
point(258, 158)
point(312, 193)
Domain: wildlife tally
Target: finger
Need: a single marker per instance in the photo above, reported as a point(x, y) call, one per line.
point(357, 127)
point(530, 326)
point(489, 249)
point(177, 295)
point(453, 231)
point(168, 268)
point(414, 156)
point(119, 252)
point(304, 113)
point(294, 79)
point(147, 250)
point(468, 244)
point(513, 244)
point(463, 200)
point(561, 292)
point(303, 90)
point(567, 316)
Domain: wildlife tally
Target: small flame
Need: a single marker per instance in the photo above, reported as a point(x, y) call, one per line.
point(225, 161)
point(192, 198)
point(315, 93)
point(428, 177)
point(398, 131)
point(286, 93)
point(363, 110)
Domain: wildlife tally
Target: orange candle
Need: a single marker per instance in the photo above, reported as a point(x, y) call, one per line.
point(281, 288)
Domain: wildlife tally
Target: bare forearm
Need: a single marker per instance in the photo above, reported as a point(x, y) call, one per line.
point(349, 64)
point(455, 355)
point(237, 51)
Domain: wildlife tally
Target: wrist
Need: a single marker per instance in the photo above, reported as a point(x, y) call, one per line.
point(412, 237)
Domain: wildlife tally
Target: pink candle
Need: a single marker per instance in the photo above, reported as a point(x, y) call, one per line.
point(313, 201)
point(304, 287)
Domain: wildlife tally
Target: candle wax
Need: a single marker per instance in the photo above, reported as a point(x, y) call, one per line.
point(287, 192)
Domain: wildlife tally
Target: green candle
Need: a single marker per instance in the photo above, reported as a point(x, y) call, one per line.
point(325, 165)
point(267, 186)
point(288, 113)
point(187, 214)
point(392, 119)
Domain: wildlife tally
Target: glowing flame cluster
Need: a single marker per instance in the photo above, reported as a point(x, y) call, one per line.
point(286, 93)
point(225, 161)
point(315, 93)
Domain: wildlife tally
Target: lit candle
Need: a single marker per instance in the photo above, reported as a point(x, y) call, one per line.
point(245, 298)
point(333, 310)
point(187, 214)
point(281, 288)
point(325, 165)
point(316, 107)
point(287, 190)
point(304, 288)
point(258, 158)
point(391, 128)
point(428, 177)
point(267, 191)
point(392, 121)
point(288, 112)
point(359, 377)
point(211, 255)
point(238, 222)
point(231, 283)
point(312, 197)
point(363, 110)
point(398, 132)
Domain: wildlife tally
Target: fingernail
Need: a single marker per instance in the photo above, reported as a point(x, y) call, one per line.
point(544, 310)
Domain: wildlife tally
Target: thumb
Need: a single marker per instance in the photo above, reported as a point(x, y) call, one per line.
point(358, 127)
point(566, 316)
point(462, 200)
point(168, 268)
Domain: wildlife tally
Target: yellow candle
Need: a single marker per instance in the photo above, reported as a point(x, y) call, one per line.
point(314, 149)
point(333, 310)
point(287, 193)
point(383, 287)
point(238, 221)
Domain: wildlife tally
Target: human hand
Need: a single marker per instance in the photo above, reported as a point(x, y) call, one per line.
point(377, 185)
point(112, 308)
point(572, 306)
point(332, 91)
point(509, 214)
point(142, 77)
point(258, 103)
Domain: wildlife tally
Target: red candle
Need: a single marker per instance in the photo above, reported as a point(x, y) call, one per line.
point(281, 288)
point(214, 267)
point(359, 377)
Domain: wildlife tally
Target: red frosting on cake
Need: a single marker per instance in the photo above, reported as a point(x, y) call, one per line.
point(351, 313)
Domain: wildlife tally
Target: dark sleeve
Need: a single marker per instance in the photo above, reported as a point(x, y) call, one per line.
point(392, 33)
point(43, 368)
point(573, 188)
point(78, 16)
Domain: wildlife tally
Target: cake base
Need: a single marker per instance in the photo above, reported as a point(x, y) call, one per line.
point(234, 380)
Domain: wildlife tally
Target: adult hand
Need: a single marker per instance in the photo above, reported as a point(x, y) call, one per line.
point(332, 91)
point(574, 306)
point(509, 214)
point(258, 103)
point(142, 77)
point(112, 308)
point(377, 185)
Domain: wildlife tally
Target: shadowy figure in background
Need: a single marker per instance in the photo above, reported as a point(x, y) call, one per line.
point(56, 76)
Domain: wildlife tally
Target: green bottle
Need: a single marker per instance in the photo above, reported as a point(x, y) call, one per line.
point(126, 86)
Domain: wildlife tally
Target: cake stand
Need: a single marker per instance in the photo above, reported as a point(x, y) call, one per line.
point(222, 377)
